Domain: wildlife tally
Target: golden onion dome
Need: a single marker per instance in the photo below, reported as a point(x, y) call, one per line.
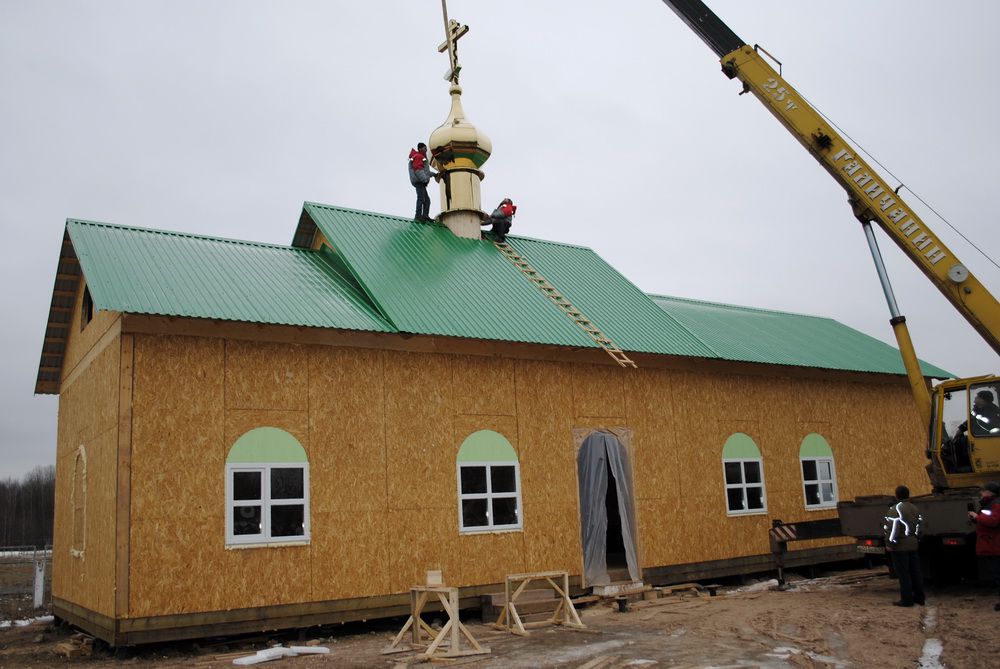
point(458, 143)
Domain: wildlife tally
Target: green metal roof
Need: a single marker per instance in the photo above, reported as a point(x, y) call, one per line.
point(779, 338)
point(426, 280)
point(143, 271)
point(389, 274)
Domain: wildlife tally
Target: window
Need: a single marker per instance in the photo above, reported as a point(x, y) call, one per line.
point(819, 478)
point(743, 473)
point(267, 489)
point(87, 308)
point(78, 503)
point(489, 484)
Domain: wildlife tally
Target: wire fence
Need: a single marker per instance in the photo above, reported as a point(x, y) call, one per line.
point(25, 582)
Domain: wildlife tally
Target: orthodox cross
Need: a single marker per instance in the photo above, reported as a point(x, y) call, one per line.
point(453, 31)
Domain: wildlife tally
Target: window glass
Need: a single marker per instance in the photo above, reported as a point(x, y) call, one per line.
point(502, 478)
point(474, 512)
point(809, 470)
point(812, 494)
point(287, 483)
point(288, 520)
point(734, 473)
point(505, 511)
point(246, 485)
point(755, 498)
point(751, 472)
point(735, 499)
point(247, 520)
point(473, 480)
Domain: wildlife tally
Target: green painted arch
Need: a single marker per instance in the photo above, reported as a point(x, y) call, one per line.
point(815, 446)
point(266, 444)
point(486, 446)
point(740, 446)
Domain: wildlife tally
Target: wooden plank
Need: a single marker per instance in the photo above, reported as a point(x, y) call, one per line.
point(124, 502)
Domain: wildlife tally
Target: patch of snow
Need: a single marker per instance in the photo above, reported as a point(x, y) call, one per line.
point(756, 587)
point(931, 657)
point(26, 621)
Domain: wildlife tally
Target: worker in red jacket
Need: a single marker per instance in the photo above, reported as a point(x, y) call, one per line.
point(988, 530)
point(501, 218)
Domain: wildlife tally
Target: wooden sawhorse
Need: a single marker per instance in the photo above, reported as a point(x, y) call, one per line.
point(565, 613)
point(452, 631)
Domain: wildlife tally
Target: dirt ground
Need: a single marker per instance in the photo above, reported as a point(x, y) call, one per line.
point(842, 620)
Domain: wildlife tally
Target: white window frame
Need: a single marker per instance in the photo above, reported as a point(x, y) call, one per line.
point(744, 485)
point(266, 503)
point(819, 482)
point(489, 496)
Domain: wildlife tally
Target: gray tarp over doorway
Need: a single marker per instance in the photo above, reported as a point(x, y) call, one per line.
point(599, 452)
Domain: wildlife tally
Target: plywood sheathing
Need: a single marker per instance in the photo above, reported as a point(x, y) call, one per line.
point(262, 375)
point(178, 487)
point(123, 475)
point(347, 465)
point(382, 429)
point(82, 340)
point(548, 466)
point(88, 417)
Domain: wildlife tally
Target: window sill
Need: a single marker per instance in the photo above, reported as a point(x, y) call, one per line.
point(828, 507)
point(491, 530)
point(267, 544)
point(738, 514)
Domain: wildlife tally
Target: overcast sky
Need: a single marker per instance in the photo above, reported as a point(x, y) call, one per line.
point(612, 127)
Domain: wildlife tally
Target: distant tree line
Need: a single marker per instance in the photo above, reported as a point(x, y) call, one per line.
point(27, 507)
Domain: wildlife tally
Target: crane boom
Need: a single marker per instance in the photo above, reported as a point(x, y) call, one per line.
point(870, 196)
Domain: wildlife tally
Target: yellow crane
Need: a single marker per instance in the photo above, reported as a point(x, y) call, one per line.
point(962, 416)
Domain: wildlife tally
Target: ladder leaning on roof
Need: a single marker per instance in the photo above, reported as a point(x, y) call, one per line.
point(563, 303)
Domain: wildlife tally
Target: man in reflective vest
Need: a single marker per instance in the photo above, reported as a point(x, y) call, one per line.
point(902, 530)
point(988, 530)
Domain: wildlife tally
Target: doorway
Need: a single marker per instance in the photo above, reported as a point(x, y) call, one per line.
point(607, 516)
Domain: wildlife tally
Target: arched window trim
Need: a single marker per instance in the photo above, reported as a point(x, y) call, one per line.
point(282, 452)
point(745, 464)
point(78, 494)
point(819, 473)
point(488, 453)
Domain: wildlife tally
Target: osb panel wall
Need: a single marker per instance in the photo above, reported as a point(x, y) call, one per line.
point(88, 417)
point(261, 375)
point(383, 428)
point(178, 489)
point(347, 465)
point(546, 418)
point(80, 342)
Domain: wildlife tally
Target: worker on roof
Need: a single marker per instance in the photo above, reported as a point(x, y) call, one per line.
point(420, 176)
point(502, 218)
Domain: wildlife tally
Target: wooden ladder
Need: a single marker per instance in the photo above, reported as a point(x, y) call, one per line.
point(563, 303)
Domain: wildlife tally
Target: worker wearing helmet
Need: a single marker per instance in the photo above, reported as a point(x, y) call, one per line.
point(502, 218)
point(987, 522)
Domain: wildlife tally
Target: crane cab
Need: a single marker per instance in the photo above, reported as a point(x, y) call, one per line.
point(964, 448)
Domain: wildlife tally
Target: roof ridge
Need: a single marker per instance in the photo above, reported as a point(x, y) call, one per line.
point(189, 235)
point(406, 219)
point(691, 300)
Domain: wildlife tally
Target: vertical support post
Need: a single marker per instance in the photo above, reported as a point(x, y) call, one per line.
point(39, 600)
point(453, 601)
point(778, 549)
